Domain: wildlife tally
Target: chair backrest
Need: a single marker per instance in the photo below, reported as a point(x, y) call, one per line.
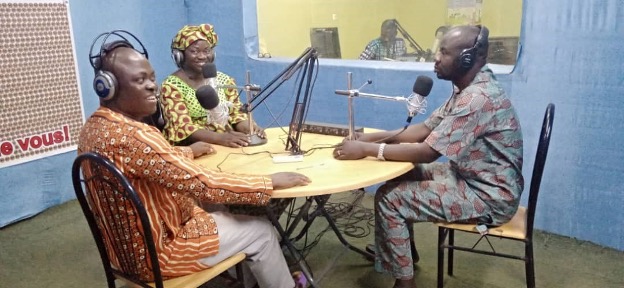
point(117, 219)
point(538, 167)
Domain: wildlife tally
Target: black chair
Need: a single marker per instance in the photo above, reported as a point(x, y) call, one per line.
point(113, 210)
point(519, 228)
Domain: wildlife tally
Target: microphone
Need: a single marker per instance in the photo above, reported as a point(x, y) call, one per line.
point(209, 71)
point(416, 102)
point(218, 112)
point(207, 97)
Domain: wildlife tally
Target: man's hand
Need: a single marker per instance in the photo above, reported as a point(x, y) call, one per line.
point(283, 180)
point(351, 150)
point(201, 148)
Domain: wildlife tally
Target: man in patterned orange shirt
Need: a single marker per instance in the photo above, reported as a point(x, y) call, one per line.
point(477, 130)
point(172, 186)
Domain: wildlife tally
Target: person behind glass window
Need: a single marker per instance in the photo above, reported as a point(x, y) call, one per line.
point(439, 33)
point(387, 46)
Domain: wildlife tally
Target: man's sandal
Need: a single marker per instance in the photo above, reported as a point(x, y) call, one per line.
point(300, 280)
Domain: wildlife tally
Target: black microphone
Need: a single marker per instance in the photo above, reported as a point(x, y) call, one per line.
point(209, 71)
point(416, 102)
point(207, 97)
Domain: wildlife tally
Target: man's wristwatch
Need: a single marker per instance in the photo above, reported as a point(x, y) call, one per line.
point(380, 152)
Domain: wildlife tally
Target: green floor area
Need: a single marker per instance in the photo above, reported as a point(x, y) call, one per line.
point(56, 249)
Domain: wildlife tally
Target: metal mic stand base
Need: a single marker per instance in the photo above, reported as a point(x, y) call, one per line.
point(255, 140)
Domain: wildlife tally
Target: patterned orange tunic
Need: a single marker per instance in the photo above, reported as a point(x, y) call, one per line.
point(170, 185)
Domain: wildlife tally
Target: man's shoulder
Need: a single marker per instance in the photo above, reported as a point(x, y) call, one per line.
point(107, 119)
point(374, 42)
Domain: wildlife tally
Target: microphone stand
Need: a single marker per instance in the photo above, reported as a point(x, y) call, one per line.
point(352, 93)
point(308, 60)
point(254, 139)
point(420, 52)
point(350, 107)
point(270, 88)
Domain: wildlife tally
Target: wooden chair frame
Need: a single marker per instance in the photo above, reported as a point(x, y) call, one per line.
point(519, 228)
point(122, 212)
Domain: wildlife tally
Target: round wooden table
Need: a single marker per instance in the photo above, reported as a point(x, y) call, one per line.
point(328, 175)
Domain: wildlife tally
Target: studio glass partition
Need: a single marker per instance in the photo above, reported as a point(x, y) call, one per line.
point(343, 29)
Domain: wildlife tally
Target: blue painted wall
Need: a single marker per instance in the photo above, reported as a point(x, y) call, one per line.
point(570, 56)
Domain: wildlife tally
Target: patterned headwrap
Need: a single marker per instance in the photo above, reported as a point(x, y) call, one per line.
point(189, 34)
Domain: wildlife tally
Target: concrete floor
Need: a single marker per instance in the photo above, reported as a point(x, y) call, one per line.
point(56, 249)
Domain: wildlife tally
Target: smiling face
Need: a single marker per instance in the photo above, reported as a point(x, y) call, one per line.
point(197, 55)
point(136, 92)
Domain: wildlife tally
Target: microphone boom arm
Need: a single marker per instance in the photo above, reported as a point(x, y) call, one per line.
point(419, 50)
point(308, 53)
point(357, 93)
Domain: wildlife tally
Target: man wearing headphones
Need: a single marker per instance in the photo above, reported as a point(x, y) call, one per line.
point(170, 184)
point(476, 129)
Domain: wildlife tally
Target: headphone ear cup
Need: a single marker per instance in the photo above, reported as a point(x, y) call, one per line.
point(105, 85)
point(178, 57)
point(466, 58)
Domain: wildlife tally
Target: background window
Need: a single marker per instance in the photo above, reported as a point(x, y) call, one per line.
point(343, 29)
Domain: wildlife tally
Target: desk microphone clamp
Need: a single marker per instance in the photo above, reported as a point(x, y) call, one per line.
point(352, 93)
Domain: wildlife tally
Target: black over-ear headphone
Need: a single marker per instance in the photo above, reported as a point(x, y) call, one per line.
point(105, 82)
point(177, 55)
point(468, 55)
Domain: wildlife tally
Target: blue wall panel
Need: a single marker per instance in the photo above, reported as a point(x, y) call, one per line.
point(570, 56)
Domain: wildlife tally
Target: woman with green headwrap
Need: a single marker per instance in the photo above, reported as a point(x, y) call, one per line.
point(186, 120)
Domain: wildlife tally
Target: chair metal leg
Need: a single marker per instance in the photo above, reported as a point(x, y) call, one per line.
point(451, 241)
point(239, 273)
point(441, 238)
point(529, 264)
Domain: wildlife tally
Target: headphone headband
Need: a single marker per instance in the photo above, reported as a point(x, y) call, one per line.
point(483, 35)
point(468, 55)
point(94, 58)
point(105, 82)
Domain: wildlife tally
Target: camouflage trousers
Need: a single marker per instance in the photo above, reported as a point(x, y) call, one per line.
point(429, 193)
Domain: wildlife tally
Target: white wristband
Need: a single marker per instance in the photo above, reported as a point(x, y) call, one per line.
point(380, 153)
